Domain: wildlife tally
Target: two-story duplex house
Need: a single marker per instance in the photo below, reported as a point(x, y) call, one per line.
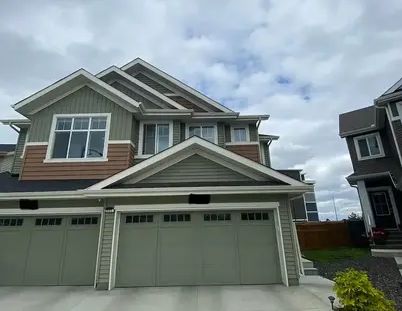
point(374, 138)
point(132, 178)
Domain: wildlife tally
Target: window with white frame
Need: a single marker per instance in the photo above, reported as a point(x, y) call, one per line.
point(369, 146)
point(240, 134)
point(207, 131)
point(79, 137)
point(156, 137)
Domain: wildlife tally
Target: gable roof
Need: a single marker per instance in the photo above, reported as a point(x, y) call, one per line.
point(191, 146)
point(59, 89)
point(126, 76)
point(396, 87)
point(178, 83)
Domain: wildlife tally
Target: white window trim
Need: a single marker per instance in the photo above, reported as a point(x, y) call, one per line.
point(49, 151)
point(233, 127)
point(215, 125)
point(357, 148)
point(391, 197)
point(398, 106)
point(388, 203)
point(141, 136)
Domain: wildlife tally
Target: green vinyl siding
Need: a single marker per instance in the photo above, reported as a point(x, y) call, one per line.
point(176, 132)
point(84, 100)
point(195, 169)
point(253, 132)
point(105, 251)
point(221, 134)
point(19, 149)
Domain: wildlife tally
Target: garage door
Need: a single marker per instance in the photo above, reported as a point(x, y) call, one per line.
point(48, 250)
point(202, 248)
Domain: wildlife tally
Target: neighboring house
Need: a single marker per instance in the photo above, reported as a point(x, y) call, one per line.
point(132, 178)
point(374, 138)
point(6, 157)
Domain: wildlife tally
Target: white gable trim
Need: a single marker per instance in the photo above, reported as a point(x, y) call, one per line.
point(176, 82)
point(393, 88)
point(141, 85)
point(90, 78)
point(196, 142)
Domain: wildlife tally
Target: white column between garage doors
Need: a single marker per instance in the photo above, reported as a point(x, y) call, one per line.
point(62, 211)
point(167, 208)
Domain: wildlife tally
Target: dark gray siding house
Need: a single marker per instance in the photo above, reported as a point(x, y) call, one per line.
point(373, 139)
point(132, 178)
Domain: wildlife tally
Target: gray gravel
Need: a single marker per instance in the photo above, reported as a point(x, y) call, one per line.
point(383, 272)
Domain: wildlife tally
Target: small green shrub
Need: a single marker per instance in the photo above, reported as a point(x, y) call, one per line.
point(357, 293)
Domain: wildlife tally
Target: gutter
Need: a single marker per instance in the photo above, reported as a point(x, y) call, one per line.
point(136, 192)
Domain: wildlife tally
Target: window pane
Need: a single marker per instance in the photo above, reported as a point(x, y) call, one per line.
point(208, 133)
point(77, 145)
point(96, 144)
point(312, 216)
point(163, 137)
point(311, 207)
point(239, 134)
point(63, 124)
point(60, 144)
point(98, 123)
point(364, 151)
point(81, 123)
point(194, 131)
point(373, 145)
point(149, 139)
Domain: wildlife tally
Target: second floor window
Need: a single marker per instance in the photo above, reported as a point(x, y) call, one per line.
point(207, 132)
point(239, 134)
point(79, 137)
point(369, 146)
point(156, 138)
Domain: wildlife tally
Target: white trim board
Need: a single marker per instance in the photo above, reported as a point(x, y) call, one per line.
point(392, 199)
point(196, 142)
point(366, 136)
point(141, 85)
point(178, 83)
point(52, 211)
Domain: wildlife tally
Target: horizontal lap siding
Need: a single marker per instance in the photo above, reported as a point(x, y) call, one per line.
point(120, 157)
point(288, 243)
point(195, 168)
point(248, 151)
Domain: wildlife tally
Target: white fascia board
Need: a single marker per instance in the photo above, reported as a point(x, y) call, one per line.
point(154, 192)
point(141, 85)
point(15, 122)
point(76, 74)
point(197, 142)
point(176, 82)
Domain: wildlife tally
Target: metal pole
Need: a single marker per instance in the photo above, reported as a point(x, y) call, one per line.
point(333, 201)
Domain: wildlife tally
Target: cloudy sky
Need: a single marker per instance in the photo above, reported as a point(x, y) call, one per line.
point(302, 62)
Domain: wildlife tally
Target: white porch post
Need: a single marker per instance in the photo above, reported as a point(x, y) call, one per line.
point(369, 220)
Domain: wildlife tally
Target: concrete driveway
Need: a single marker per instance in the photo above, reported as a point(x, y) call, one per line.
point(310, 295)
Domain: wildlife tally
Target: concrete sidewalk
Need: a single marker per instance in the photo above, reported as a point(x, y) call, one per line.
point(310, 295)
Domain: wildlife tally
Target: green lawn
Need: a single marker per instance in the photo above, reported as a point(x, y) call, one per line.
point(334, 254)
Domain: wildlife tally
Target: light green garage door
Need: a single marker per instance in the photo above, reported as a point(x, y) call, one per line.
point(48, 250)
point(200, 248)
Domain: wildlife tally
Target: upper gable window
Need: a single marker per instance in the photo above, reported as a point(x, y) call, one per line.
point(79, 137)
point(155, 137)
point(240, 134)
point(207, 132)
point(369, 146)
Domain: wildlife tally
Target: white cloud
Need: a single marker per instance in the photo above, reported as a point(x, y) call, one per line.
point(301, 62)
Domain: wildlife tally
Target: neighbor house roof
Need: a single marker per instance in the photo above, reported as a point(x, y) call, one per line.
point(360, 121)
point(9, 183)
point(6, 148)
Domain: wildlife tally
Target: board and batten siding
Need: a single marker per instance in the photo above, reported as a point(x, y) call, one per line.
point(176, 132)
point(288, 242)
point(105, 251)
point(221, 134)
point(84, 100)
point(19, 149)
point(194, 169)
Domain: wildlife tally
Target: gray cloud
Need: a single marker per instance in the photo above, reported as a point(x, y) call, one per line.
point(330, 56)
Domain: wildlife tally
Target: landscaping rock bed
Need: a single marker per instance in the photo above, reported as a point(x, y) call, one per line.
point(383, 272)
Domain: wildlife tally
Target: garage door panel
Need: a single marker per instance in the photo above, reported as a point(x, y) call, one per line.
point(136, 254)
point(14, 247)
point(219, 255)
point(179, 256)
point(44, 257)
point(80, 257)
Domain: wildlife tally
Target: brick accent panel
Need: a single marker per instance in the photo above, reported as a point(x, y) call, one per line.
point(120, 157)
point(251, 152)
